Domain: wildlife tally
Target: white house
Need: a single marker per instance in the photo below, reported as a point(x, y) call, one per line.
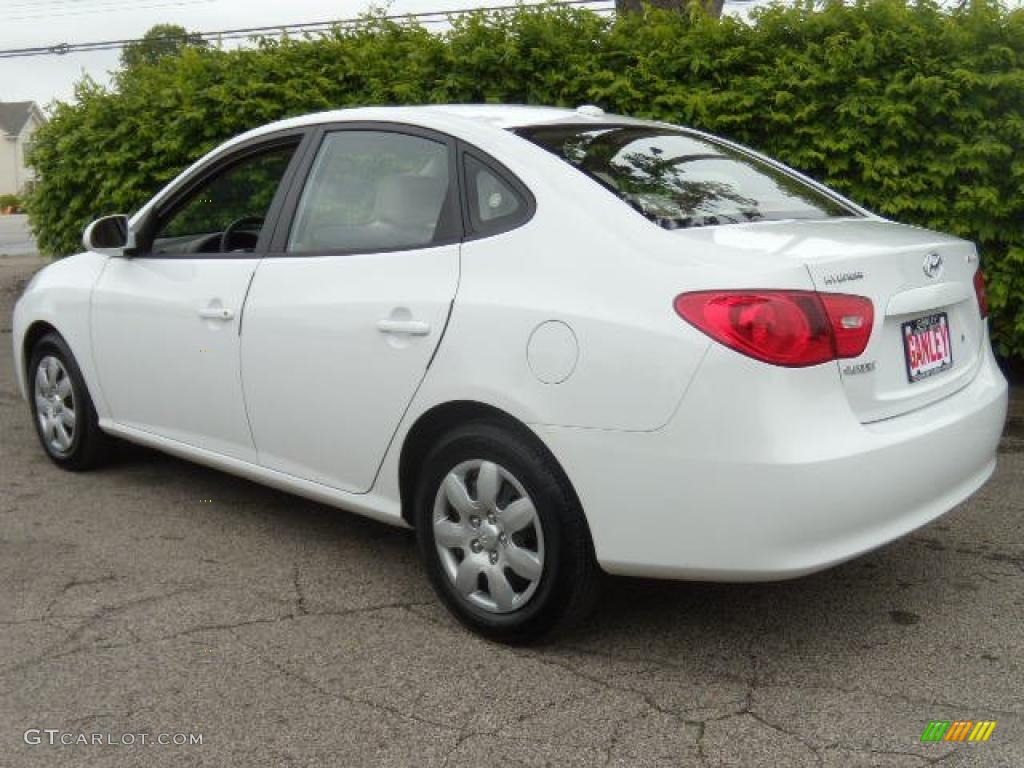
point(18, 121)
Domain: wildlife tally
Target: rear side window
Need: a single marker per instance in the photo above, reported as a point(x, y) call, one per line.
point(678, 179)
point(496, 203)
point(373, 191)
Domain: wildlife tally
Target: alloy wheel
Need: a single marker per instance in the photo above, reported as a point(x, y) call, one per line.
point(55, 405)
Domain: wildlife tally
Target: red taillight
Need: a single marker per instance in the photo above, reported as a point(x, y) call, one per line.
point(851, 318)
point(791, 328)
point(979, 290)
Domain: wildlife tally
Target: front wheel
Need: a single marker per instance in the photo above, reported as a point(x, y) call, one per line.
point(62, 410)
point(502, 535)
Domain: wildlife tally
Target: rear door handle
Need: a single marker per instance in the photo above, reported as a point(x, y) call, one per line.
point(216, 313)
point(407, 327)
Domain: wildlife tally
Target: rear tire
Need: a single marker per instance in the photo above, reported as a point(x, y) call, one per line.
point(62, 411)
point(502, 535)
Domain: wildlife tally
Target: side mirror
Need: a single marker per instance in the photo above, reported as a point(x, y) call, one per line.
point(110, 235)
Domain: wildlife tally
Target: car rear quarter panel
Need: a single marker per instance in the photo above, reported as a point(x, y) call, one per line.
point(589, 261)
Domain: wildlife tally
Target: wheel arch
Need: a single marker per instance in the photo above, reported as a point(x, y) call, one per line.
point(33, 334)
point(433, 423)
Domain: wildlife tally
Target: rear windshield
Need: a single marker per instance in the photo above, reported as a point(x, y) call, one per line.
point(678, 179)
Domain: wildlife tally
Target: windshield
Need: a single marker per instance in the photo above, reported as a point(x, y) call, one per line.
point(678, 179)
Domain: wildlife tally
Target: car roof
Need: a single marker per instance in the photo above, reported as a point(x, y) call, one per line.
point(518, 115)
point(501, 116)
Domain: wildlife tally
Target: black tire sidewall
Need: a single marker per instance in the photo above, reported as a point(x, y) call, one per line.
point(547, 490)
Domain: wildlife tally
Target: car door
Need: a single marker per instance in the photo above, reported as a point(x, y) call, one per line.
point(165, 321)
point(345, 312)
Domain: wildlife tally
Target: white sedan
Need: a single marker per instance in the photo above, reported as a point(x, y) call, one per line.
point(555, 342)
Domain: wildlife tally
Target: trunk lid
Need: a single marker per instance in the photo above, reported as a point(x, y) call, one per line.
point(922, 286)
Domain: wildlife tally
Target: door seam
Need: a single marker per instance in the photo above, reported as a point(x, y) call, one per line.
point(92, 339)
point(241, 372)
point(423, 378)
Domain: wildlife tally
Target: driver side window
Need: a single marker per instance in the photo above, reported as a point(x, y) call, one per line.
point(226, 212)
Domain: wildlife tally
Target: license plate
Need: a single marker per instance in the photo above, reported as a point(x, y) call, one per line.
point(927, 348)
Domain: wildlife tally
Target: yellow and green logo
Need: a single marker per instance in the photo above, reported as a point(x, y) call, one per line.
point(958, 730)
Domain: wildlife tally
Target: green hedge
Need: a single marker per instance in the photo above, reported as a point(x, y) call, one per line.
point(914, 111)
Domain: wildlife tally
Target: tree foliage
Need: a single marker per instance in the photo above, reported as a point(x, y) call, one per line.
point(914, 111)
point(711, 7)
point(161, 40)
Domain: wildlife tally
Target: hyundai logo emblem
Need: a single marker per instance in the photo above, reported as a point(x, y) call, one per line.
point(932, 265)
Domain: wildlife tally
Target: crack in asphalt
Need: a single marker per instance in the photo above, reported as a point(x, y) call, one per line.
point(748, 709)
point(320, 689)
point(1013, 557)
point(701, 727)
point(93, 619)
point(646, 698)
point(616, 736)
point(52, 653)
point(467, 734)
point(76, 583)
point(300, 595)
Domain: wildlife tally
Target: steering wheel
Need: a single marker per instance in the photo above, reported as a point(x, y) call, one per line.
point(234, 226)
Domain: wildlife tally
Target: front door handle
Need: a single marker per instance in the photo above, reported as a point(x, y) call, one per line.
point(216, 313)
point(406, 327)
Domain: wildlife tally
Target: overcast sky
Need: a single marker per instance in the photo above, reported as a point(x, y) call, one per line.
point(30, 23)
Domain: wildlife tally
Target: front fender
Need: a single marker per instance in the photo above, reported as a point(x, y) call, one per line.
point(59, 295)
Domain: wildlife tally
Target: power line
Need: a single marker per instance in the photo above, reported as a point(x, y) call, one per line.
point(316, 27)
point(47, 3)
point(107, 7)
point(62, 6)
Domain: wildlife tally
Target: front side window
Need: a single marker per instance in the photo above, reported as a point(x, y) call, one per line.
point(227, 211)
point(678, 179)
point(373, 191)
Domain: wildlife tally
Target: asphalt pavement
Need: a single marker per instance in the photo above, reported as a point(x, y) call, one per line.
point(15, 236)
point(158, 597)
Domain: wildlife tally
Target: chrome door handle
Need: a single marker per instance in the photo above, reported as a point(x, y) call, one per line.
point(216, 313)
point(407, 327)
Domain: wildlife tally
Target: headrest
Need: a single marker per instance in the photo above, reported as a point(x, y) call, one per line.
point(410, 201)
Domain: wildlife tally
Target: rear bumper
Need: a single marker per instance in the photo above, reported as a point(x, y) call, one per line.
point(764, 473)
